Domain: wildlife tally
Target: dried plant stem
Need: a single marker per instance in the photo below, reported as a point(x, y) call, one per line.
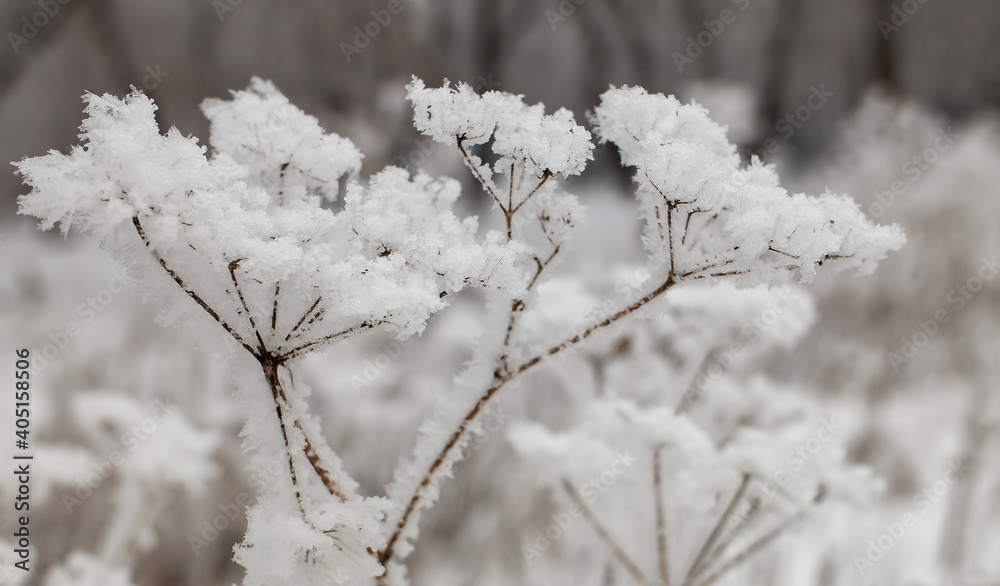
point(747, 552)
point(191, 293)
point(602, 533)
point(661, 524)
point(269, 363)
point(499, 382)
point(720, 526)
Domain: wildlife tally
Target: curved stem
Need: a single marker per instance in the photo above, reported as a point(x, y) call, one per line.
point(190, 292)
point(616, 550)
point(499, 381)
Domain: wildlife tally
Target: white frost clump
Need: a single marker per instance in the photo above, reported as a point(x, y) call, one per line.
point(690, 180)
point(251, 213)
point(553, 143)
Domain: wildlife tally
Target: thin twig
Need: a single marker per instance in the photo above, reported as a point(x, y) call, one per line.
point(706, 548)
point(278, 394)
point(603, 534)
point(271, 366)
point(274, 307)
point(296, 352)
point(661, 524)
point(750, 550)
point(191, 293)
point(545, 177)
point(475, 171)
point(239, 292)
point(303, 318)
point(498, 383)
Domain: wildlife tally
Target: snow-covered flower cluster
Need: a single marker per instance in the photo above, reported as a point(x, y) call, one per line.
point(250, 240)
point(246, 229)
point(690, 180)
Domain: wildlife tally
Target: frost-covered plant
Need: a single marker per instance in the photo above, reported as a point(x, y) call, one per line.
point(246, 240)
point(712, 474)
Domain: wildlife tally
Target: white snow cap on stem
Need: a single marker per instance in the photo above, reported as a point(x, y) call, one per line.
point(388, 259)
point(548, 142)
point(690, 178)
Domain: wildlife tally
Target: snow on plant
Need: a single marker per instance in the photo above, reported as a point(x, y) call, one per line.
point(146, 459)
point(718, 475)
point(246, 241)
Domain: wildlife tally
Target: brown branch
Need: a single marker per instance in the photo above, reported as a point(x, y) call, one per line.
point(723, 544)
point(661, 524)
point(270, 365)
point(274, 307)
point(510, 198)
point(278, 394)
point(243, 301)
point(713, 265)
point(517, 306)
point(191, 293)
point(603, 534)
point(303, 318)
point(296, 352)
point(788, 254)
point(322, 472)
point(750, 550)
point(498, 382)
point(670, 235)
point(475, 171)
point(706, 548)
point(545, 177)
point(692, 392)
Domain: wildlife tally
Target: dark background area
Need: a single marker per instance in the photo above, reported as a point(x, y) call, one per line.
point(946, 54)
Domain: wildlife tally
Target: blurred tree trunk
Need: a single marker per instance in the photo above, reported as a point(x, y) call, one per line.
point(15, 63)
point(884, 58)
point(777, 56)
point(693, 14)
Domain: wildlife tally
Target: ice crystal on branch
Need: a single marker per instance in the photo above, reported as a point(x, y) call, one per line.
point(708, 216)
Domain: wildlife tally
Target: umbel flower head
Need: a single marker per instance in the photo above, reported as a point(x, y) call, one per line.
point(706, 215)
point(247, 231)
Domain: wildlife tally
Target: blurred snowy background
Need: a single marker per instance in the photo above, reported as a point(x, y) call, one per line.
point(891, 102)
